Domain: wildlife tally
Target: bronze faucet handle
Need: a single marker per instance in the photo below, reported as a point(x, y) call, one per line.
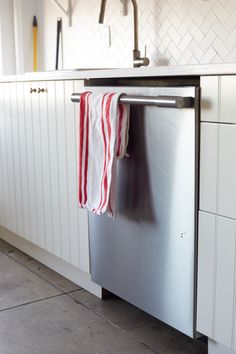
point(138, 60)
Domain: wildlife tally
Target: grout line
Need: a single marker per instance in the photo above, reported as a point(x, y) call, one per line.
point(112, 323)
point(31, 302)
point(72, 291)
point(34, 272)
point(68, 294)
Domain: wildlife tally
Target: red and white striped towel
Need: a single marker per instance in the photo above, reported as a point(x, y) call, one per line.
point(103, 137)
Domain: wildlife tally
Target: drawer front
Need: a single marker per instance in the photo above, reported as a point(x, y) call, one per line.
point(209, 98)
point(216, 278)
point(218, 169)
point(218, 99)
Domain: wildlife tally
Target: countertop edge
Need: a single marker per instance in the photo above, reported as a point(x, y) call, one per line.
point(159, 71)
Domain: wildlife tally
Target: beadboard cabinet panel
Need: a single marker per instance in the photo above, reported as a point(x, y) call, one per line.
point(16, 155)
point(11, 217)
point(38, 163)
point(216, 316)
point(209, 167)
point(71, 129)
point(47, 198)
point(37, 158)
point(225, 282)
point(4, 185)
point(218, 169)
point(23, 161)
point(227, 170)
point(62, 170)
point(83, 239)
point(29, 156)
point(54, 169)
point(71, 151)
point(206, 262)
point(216, 299)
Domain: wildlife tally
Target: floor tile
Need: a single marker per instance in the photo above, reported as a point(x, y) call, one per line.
point(18, 285)
point(52, 277)
point(62, 326)
point(145, 328)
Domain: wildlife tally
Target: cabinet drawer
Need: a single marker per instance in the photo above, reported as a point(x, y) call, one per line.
point(218, 99)
point(209, 98)
point(218, 169)
point(216, 278)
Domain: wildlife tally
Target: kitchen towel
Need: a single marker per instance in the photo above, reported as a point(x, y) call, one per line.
point(103, 137)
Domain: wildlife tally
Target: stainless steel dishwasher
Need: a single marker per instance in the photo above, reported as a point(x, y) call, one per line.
point(147, 254)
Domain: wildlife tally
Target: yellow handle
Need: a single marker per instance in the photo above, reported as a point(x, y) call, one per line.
point(35, 30)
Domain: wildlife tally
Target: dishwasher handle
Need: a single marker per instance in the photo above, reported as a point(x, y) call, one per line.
point(158, 101)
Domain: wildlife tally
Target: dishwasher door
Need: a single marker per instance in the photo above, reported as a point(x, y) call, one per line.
point(147, 254)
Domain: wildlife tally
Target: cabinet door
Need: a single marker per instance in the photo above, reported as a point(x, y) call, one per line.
point(25, 178)
point(210, 98)
point(38, 168)
point(216, 278)
point(206, 273)
point(209, 167)
point(5, 202)
point(227, 101)
point(218, 169)
point(9, 172)
point(218, 102)
point(37, 134)
point(26, 113)
point(78, 218)
point(227, 170)
point(65, 225)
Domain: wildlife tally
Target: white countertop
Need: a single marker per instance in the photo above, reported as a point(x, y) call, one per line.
point(158, 71)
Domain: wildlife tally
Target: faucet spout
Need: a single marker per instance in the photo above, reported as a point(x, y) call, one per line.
point(135, 10)
point(102, 11)
point(137, 60)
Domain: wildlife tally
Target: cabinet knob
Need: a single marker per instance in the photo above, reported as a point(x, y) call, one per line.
point(42, 90)
point(33, 90)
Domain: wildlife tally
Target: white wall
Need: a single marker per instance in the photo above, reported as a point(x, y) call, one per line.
point(16, 40)
point(24, 11)
point(29, 10)
point(175, 31)
point(7, 44)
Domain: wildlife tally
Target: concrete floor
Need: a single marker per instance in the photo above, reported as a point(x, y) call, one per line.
point(44, 313)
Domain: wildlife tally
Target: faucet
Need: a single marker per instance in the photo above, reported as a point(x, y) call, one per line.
point(137, 59)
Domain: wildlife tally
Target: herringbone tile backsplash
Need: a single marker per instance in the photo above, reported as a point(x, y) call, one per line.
point(176, 32)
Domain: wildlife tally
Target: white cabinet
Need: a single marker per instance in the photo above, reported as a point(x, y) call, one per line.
point(208, 167)
point(206, 258)
point(227, 171)
point(218, 146)
point(210, 99)
point(216, 298)
point(218, 169)
point(216, 315)
point(38, 168)
point(218, 99)
point(227, 101)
